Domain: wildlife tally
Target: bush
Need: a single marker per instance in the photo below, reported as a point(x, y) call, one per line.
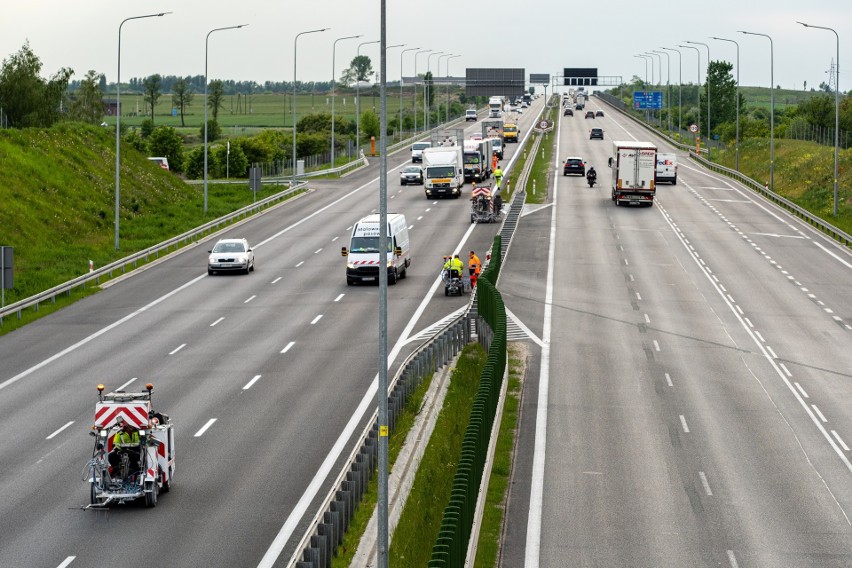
point(165, 141)
point(214, 131)
point(147, 127)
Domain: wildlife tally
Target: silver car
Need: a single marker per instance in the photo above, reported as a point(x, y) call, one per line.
point(230, 255)
point(411, 174)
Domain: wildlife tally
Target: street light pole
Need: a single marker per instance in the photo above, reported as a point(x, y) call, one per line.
point(400, 86)
point(118, 119)
point(698, 53)
point(448, 85)
point(771, 108)
point(707, 77)
point(659, 73)
point(358, 102)
point(438, 120)
point(680, 86)
point(415, 86)
point(668, 85)
point(645, 90)
point(737, 152)
point(428, 90)
point(836, 105)
point(295, 47)
point(333, 52)
point(206, 43)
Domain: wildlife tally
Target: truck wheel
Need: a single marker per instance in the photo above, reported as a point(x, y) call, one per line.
point(674, 180)
point(92, 494)
point(392, 277)
point(151, 496)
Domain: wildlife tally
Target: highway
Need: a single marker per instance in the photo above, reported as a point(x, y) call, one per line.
point(266, 377)
point(686, 400)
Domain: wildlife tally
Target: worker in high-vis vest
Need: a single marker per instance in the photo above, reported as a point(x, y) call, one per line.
point(474, 267)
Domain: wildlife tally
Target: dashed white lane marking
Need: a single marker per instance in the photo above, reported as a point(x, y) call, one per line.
point(705, 483)
point(818, 413)
point(656, 345)
point(669, 380)
point(340, 297)
point(217, 321)
point(839, 440)
point(428, 209)
point(420, 217)
point(683, 423)
point(785, 369)
point(125, 385)
point(319, 250)
point(66, 562)
point(647, 319)
point(251, 382)
point(277, 280)
point(287, 348)
point(748, 321)
point(410, 227)
point(771, 352)
point(732, 559)
point(334, 239)
point(181, 346)
point(205, 427)
point(59, 430)
point(300, 263)
point(316, 319)
point(250, 299)
point(638, 296)
point(801, 390)
point(760, 337)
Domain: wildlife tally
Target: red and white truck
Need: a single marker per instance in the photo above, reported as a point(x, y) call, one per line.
point(634, 166)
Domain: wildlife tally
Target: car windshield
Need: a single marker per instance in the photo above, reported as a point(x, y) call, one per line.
point(229, 247)
point(440, 171)
point(412, 170)
point(574, 162)
point(510, 129)
point(420, 145)
point(367, 244)
point(470, 159)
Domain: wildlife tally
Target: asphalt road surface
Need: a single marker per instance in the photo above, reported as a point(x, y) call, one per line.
point(690, 376)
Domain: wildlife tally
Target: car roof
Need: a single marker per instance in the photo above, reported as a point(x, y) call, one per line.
point(574, 158)
point(231, 241)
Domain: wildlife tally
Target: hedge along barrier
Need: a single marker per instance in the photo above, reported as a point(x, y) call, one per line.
point(450, 548)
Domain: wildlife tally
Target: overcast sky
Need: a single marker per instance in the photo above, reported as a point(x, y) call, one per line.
point(541, 36)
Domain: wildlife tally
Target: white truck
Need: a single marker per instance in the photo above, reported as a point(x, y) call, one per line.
point(477, 159)
point(495, 106)
point(363, 259)
point(634, 167)
point(666, 168)
point(470, 114)
point(580, 101)
point(443, 171)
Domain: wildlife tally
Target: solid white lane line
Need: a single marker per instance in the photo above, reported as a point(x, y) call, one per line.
point(840, 440)
point(683, 423)
point(784, 368)
point(705, 483)
point(289, 345)
point(818, 413)
point(217, 321)
point(760, 337)
point(250, 299)
point(669, 380)
point(340, 297)
point(300, 264)
point(748, 321)
point(771, 352)
point(205, 427)
point(60, 430)
point(316, 319)
point(846, 264)
point(66, 562)
point(739, 309)
point(656, 345)
point(181, 346)
point(801, 390)
point(125, 385)
point(251, 382)
point(276, 280)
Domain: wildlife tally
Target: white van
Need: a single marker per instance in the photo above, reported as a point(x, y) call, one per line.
point(363, 259)
point(162, 161)
point(666, 168)
point(417, 150)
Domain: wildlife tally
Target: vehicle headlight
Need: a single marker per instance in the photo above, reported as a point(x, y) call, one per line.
point(350, 265)
point(211, 259)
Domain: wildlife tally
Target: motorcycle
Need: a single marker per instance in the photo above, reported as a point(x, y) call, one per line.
point(591, 178)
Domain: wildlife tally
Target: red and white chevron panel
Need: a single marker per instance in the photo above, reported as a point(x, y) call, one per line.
point(136, 413)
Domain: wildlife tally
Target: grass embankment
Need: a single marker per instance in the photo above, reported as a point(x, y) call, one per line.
point(804, 174)
point(541, 168)
point(58, 212)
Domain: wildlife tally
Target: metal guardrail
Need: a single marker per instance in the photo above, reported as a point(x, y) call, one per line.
point(824, 227)
point(143, 255)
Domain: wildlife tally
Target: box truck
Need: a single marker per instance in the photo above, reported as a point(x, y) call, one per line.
point(634, 167)
point(443, 171)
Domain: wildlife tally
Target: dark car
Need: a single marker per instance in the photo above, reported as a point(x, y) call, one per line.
point(596, 133)
point(574, 165)
point(411, 174)
point(568, 112)
point(590, 114)
point(599, 113)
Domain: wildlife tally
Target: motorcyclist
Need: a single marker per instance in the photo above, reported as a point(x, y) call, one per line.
point(591, 175)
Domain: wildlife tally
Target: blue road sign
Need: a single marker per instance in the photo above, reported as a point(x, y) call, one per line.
point(652, 100)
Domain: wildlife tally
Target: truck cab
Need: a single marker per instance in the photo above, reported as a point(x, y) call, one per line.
point(470, 114)
point(510, 132)
point(363, 257)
